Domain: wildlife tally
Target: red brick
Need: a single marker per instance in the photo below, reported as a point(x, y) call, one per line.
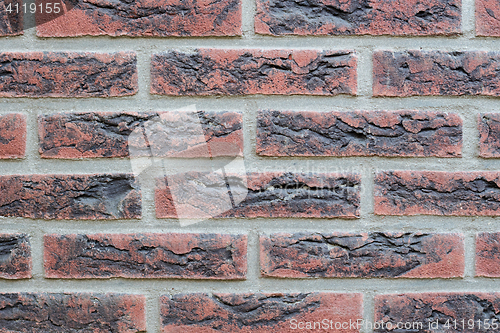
point(163, 134)
point(258, 313)
point(253, 71)
point(383, 17)
point(71, 313)
point(68, 74)
point(487, 18)
point(437, 193)
point(359, 133)
point(488, 254)
point(11, 24)
point(184, 256)
point(155, 18)
point(388, 255)
point(98, 196)
point(435, 73)
point(435, 310)
point(15, 256)
point(262, 195)
point(489, 135)
point(12, 136)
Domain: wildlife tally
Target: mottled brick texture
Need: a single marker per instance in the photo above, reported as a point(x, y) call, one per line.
point(11, 24)
point(256, 313)
point(365, 17)
point(359, 133)
point(155, 18)
point(253, 71)
point(437, 193)
point(437, 309)
point(488, 18)
point(184, 256)
point(387, 255)
point(489, 135)
point(67, 74)
point(124, 134)
point(72, 313)
point(436, 73)
point(99, 196)
point(488, 254)
point(261, 195)
point(15, 256)
point(12, 136)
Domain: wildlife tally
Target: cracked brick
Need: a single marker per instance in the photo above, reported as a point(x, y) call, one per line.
point(383, 255)
point(488, 254)
point(12, 136)
point(359, 133)
point(173, 255)
point(489, 135)
point(11, 24)
point(487, 18)
point(15, 256)
point(253, 71)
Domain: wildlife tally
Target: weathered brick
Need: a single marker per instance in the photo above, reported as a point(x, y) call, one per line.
point(11, 24)
point(359, 133)
point(161, 134)
point(259, 313)
point(156, 18)
point(388, 255)
point(184, 256)
point(488, 254)
point(15, 256)
point(489, 135)
point(98, 196)
point(436, 73)
point(383, 17)
point(253, 71)
point(12, 136)
point(433, 311)
point(261, 195)
point(71, 313)
point(437, 193)
point(487, 18)
point(67, 74)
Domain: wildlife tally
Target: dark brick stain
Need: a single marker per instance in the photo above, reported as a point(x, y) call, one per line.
point(487, 18)
point(15, 256)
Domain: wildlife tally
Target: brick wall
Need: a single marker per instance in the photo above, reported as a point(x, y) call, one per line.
point(308, 162)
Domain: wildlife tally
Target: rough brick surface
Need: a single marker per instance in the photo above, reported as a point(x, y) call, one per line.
point(15, 256)
point(488, 254)
point(161, 134)
point(337, 17)
point(388, 255)
point(100, 196)
point(437, 309)
point(262, 195)
point(11, 24)
point(437, 193)
point(185, 256)
point(360, 133)
point(67, 74)
point(257, 313)
point(436, 73)
point(487, 18)
point(12, 136)
point(253, 71)
point(72, 313)
point(489, 135)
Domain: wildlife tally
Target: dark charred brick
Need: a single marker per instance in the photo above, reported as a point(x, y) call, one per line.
point(161, 134)
point(257, 313)
point(488, 254)
point(12, 136)
point(437, 193)
point(72, 313)
point(487, 18)
point(246, 72)
point(384, 17)
point(155, 18)
point(489, 135)
point(11, 23)
point(436, 73)
point(435, 310)
point(184, 256)
point(67, 74)
point(360, 133)
point(387, 255)
point(15, 256)
point(258, 195)
point(98, 196)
